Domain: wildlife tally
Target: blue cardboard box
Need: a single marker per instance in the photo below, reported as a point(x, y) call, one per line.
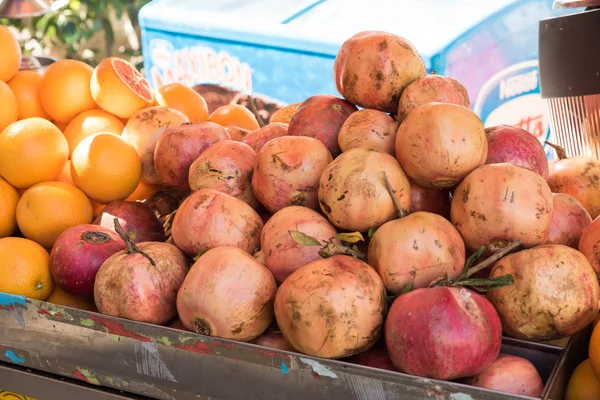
point(282, 51)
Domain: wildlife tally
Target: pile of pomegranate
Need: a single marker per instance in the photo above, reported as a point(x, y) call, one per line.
point(386, 227)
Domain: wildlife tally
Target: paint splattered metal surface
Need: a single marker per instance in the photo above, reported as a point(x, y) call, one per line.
point(164, 363)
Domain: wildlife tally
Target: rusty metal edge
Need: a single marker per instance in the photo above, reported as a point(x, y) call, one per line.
point(132, 329)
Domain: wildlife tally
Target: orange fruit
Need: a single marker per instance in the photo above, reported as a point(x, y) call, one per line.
point(60, 125)
point(234, 115)
point(143, 191)
point(9, 106)
point(184, 99)
point(120, 89)
point(583, 384)
point(33, 150)
point(594, 350)
point(89, 122)
point(106, 167)
point(25, 85)
point(284, 114)
point(9, 197)
point(25, 268)
point(62, 298)
point(11, 54)
point(65, 90)
point(65, 174)
point(98, 207)
point(47, 209)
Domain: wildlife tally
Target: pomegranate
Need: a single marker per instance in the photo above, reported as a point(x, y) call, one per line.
point(375, 357)
point(369, 128)
point(141, 282)
point(258, 138)
point(373, 68)
point(143, 130)
point(331, 308)
point(226, 166)
point(282, 254)
point(569, 219)
point(438, 144)
point(287, 172)
point(580, 177)
point(321, 117)
point(236, 133)
point(432, 200)
point(430, 89)
point(513, 145)
point(77, 255)
point(180, 145)
point(502, 201)
point(227, 294)
point(589, 244)
point(176, 323)
point(442, 333)
point(137, 220)
point(417, 250)
point(273, 340)
point(510, 374)
point(352, 191)
point(209, 218)
point(555, 293)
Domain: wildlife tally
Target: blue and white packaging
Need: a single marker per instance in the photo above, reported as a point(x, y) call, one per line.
point(282, 51)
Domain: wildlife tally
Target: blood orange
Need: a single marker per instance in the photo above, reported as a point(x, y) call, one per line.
point(117, 87)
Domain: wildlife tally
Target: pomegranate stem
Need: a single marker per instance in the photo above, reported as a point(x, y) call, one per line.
point(401, 211)
point(131, 247)
point(254, 109)
point(498, 254)
point(560, 151)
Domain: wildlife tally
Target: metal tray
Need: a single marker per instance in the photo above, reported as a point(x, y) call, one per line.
point(163, 363)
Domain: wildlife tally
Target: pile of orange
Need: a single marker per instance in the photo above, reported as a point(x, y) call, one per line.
point(584, 383)
point(63, 157)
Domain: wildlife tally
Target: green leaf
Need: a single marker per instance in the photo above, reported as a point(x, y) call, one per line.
point(407, 288)
point(372, 231)
point(474, 258)
point(352, 237)
point(304, 239)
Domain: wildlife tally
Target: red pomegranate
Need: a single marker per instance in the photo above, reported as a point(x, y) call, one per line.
point(282, 254)
point(321, 117)
point(513, 145)
point(332, 307)
point(77, 255)
point(137, 220)
point(141, 282)
point(353, 194)
point(580, 177)
point(287, 172)
point(502, 201)
point(438, 144)
point(416, 250)
point(209, 218)
point(442, 333)
point(430, 89)
point(226, 166)
point(258, 138)
point(273, 340)
point(373, 68)
point(589, 244)
point(432, 200)
point(569, 220)
point(227, 294)
point(547, 278)
point(179, 146)
point(510, 374)
point(369, 128)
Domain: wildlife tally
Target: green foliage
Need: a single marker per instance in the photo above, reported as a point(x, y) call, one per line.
point(69, 30)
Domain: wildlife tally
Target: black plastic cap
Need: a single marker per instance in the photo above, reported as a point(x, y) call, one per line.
point(569, 55)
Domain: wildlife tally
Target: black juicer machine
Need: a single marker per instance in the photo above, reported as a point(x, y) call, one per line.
point(569, 65)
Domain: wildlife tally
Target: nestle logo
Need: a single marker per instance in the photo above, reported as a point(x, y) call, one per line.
point(516, 85)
